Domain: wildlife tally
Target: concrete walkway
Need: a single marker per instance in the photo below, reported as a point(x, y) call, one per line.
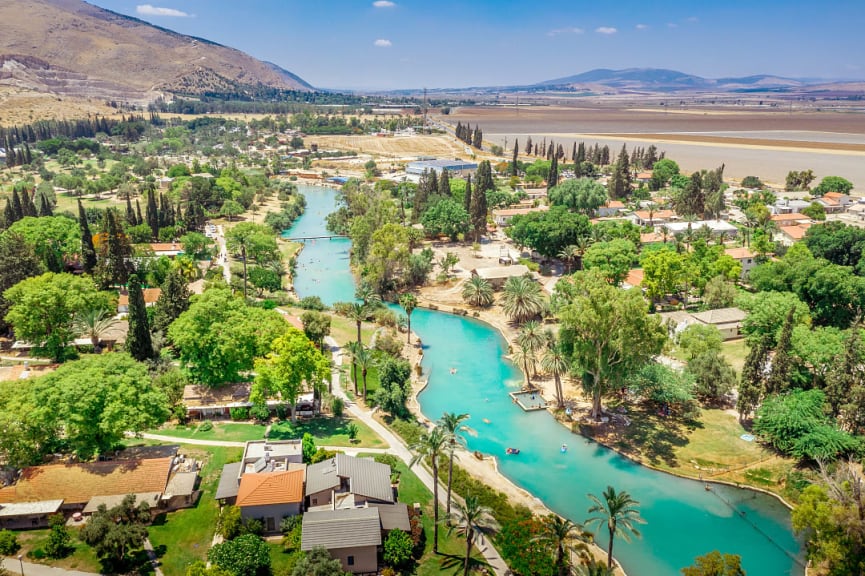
point(398, 448)
point(30, 569)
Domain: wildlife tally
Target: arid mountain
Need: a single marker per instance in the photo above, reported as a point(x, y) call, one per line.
point(661, 80)
point(71, 48)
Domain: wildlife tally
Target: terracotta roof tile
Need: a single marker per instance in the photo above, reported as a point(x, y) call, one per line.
point(739, 253)
point(78, 483)
point(270, 488)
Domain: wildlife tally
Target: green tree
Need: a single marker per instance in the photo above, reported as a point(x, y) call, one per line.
point(714, 377)
point(452, 423)
point(719, 293)
point(549, 232)
point(698, 339)
point(833, 184)
point(766, 313)
point(316, 326)
point(138, 341)
point(265, 279)
point(55, 239)
point(9, 543)
point(292, 364)
point(43, 308)
point(196, 245)
point(397, 548)
point(478, 292)
point(662, 172)
point(478, 210)
point(115, 253)
point(472, 520)
point(715, 564)
point(782, 362)
point(115, 533)
point(555, 363)
point(582, 195)
point(432, 446)
point(815, 211)
point(88, 252)
point(219, 336)
point(614, 259)
point(93, 324)
point(317, 562)
point(309, 448)
point(254, 241)
point(619, 512)
point(606, 332)
point(388, 256)
point(446, 217)
point(522, 298)
point(172, 302)
point(246, 555)
point(231, 208)
point(408, 301)
point(663, 272)
point(59, 544)
point(565, 538)
point(18, 262)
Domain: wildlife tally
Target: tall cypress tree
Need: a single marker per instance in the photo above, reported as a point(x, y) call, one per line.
point(138, 341)
point(27, 205)
point(581, 153)
point(172, 302)
point(467, 199)
point(529, 146)
point(44, 207)
point(553, 180)
point(444, 187)
point(152, 214)
point(138, 217)
point(114, 253)
point(478, 210)
point(17, 208)
point(88, 252)
point(8, 214)
point(782, 363)
point(751, 383)
point(514, 168)
point(130, 213)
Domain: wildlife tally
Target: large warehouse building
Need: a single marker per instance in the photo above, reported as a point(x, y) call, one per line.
point(454, 167)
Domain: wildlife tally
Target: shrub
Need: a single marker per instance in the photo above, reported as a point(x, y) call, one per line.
point(337, 406)
point(408, 430)
point(388, 459)
point(312, 303)
point(8, 543)
point(385, 317)
point(389, 344)
point(239, 413)
point(260, 412)
point(352, 431)
point(308, 445)
point(59, 544)
point(321, 455)
point(246, 555)
point(205, 426)
point(397, 548)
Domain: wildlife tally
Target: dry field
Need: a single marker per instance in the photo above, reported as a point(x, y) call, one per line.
point(19, 106)
point(393, 147)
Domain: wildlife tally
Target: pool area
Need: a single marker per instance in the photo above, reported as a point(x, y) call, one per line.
point(684, 519)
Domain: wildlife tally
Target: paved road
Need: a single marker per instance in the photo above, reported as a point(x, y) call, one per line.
point(398, 448)
point(14, 567)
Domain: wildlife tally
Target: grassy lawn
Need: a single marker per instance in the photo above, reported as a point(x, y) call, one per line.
point(82, 558)
point(735, 351)
point(184, 536)
point(709, 447)
point(328, 431)
point(344, 330)
point(451, 548)
point(281, 560)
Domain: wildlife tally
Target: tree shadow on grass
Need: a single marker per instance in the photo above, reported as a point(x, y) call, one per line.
point(651, 435)
point(453, 563)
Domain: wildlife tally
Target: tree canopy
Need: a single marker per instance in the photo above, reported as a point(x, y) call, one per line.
point(582, 195)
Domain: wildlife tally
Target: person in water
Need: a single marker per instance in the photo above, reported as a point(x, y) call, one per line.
point(564, 447)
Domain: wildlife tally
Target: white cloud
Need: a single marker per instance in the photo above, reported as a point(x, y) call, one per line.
point(693, 19)
point(672, 25)
point(571, 30)
point(642, 26)
point(383, 43)
point(384, 4)
point(608, 30)
point(149, 10)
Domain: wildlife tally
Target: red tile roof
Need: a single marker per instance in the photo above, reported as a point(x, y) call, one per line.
point(78, 483)
point(795, 232)
point(739, 253)
point(151, 295)
point(270, 488)
point(656, 215)
point(166, 247)
point(789, 217)
point(634, 277)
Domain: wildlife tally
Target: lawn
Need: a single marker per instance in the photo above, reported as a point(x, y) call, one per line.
point(709, 447)
point(449, 560)
point(184, 536)
point(735, 351)
point(83, 558)
point(344, 330)
point(328, 431)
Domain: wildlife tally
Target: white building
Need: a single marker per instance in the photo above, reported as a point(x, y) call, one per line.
point(454, 167)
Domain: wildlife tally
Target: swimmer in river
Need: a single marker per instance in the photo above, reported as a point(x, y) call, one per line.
point(453, 370)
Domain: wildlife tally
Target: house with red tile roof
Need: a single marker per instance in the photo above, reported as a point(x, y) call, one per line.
point(271, 496)
point(746, 259)
point(789, 235)
point(151, 295)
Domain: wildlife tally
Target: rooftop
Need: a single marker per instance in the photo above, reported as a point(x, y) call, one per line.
point(151, 295)
point(270, 488)
point(789, 217)
point(502, 271)
point(713, 225)
point(198, 396)
point(335, 529)
point(739, 253)
point(795, 232)
point(228, 484)
point(78, 483)
point(30, 508)
point(366, 477)
point(393, 516)
point(720, 316)
point(152, 499)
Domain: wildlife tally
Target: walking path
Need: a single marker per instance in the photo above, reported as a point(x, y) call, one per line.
point(223, 254)
point(398, 448)
point(30, 569)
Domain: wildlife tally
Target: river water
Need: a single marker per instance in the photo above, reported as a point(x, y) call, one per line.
point(684, 519)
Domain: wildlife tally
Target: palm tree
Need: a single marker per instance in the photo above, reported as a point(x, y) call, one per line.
point(532, 339)
point(523, 356)
point(594, 568)
point(408, 301)
point(620, 513)
point(93, 323)
point(565, 537)
point(521, 298)
point(452, 423)
point(568, 253)
point(478, 292)
point(432, 445)
point(353, 348)
point(555, 362)
point(364, 359)
point(473, 520)
point(583, 243)
point(357, 311)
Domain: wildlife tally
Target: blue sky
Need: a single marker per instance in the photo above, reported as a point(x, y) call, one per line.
point(362, 44)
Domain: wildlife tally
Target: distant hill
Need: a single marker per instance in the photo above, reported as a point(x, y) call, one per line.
point(663, 80)
point(71, 48)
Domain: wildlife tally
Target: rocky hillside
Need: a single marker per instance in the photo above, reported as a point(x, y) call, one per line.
point(71, 48)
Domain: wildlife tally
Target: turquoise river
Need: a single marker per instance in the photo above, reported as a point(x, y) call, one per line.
point(684, 520)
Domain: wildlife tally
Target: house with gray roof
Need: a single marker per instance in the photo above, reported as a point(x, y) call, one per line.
point(351, 536)
point(347, 482)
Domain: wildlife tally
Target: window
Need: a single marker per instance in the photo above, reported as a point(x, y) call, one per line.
point(314, 501)
point(271, 524)
point(350, 561)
